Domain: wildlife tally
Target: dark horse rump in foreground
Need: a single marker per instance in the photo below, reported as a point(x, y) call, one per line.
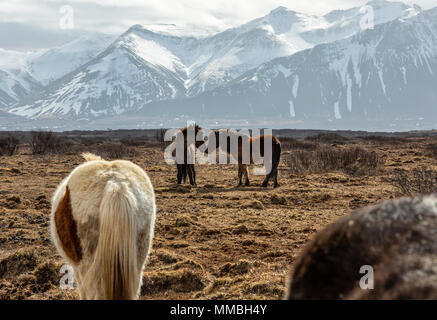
point(396, 239)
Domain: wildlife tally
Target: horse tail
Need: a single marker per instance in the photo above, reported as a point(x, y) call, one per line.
point(116, 251)
point(276, 155)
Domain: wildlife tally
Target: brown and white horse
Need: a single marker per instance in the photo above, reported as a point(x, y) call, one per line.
point(251, 141)
point(102, 223)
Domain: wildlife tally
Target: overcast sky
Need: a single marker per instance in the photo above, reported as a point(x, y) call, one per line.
point(34, 24)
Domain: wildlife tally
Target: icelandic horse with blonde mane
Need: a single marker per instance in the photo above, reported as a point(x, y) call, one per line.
point(102, 223)
point(252, 143)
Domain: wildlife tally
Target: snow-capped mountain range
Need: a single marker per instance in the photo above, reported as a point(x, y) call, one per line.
point(286, 64)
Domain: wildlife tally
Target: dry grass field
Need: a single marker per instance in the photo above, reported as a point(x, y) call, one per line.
point(216, 240)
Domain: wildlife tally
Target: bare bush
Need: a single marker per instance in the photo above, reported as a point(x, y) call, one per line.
point(45, 142)
point(8, 145)
point(383, 139)
point(113, 150)
point(328, 137)
point(159, 136)
point(133, 142)
point(418, 181)
point(352, 160)
point(88, 141)
point(432, 148)
point(298, 144)
point(140, 142)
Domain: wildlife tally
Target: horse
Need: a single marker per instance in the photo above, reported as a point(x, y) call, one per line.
point(102, 224)
point(189, 150)
point(395, 240)
point(242, 168)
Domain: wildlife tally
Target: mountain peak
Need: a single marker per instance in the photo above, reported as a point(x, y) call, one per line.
point(385, 3)
point(281, 10)
point(135, 27)
point(378, 2)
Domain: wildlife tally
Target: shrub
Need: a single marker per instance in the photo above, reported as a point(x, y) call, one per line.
point(140, 142)
point(114, 150)
point(328, 137)
point(44, 142)
point(419, 181)
point(432, 148)
point(132, 142)
point(88, 141)
point(352, 160)
point(298, 144)
point(159, 137)
point(383, 139)
point(8, 145)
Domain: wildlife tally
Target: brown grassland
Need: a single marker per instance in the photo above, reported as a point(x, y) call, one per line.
point(216, 240)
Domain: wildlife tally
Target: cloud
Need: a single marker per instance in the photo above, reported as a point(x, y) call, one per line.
point(35, 23)
point(26, 37)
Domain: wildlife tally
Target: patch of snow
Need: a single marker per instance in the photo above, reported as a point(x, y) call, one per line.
point(337, 113)
point(292, 111)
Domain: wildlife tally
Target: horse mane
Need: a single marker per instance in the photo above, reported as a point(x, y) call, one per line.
point(231, 132)
point(90, 156)
point(197, 128)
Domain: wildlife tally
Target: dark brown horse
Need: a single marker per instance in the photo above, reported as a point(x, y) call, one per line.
point(186, 168)
point(396, 238)
point(242, 168)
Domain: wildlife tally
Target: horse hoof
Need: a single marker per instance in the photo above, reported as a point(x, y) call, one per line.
point(264, 185)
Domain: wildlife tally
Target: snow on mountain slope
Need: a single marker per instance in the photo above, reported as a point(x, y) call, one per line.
point(281, 33)
point(117, 80)
point(389, 73)
point(15, 79)
point(23, 73)
point(54, 63)
point(143, 66)
point(340, 24)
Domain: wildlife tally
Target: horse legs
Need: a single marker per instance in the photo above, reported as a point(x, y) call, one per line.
point(274, 174)
point(184, 172)
point(246, 174)
point(276, 184)
point(194, 175)
point(240, 174)
point(271, 174)
point(179, 167)
point(274, 171)
point(243, 171)
point(191, 174)
point(266, 180)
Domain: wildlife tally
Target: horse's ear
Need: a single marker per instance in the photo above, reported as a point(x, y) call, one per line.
point(66, 229)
